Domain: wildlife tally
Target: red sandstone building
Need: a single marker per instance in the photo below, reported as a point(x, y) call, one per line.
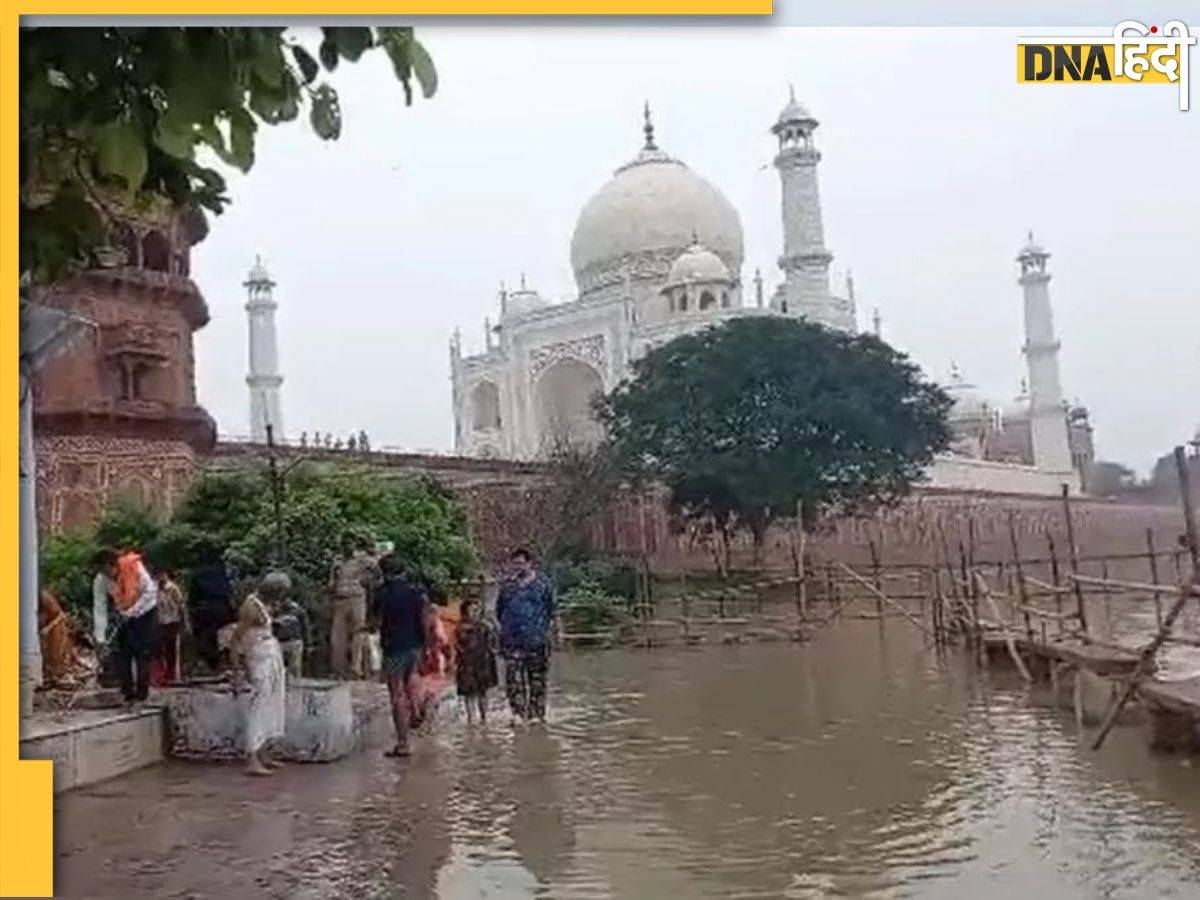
point(117, 418)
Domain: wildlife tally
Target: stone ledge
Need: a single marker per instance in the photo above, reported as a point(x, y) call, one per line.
point(88, 746)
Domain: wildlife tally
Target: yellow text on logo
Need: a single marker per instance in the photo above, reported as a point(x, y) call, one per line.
point(1086, 64)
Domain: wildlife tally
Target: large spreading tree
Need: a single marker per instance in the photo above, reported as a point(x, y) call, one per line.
point(118, 117)
point(766, 417)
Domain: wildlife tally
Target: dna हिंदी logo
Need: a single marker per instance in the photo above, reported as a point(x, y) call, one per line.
point(1134, 54)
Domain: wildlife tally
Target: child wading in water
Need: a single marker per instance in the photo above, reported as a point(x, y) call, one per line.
point(258, 666)
point(476, 653)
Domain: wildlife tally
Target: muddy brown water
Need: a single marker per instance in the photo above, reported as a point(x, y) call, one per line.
point(857, 765)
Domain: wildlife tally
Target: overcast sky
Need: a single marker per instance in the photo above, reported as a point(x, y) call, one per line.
point(935, 164)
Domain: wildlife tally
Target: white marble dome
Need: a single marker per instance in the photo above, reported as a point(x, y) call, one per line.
point(645, 217)
point(795, 111)
point(697, 264)
point(1018, 409)
point(969, 403)
point(522, 302)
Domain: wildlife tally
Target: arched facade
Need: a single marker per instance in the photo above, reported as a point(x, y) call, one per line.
point(563, 398)
point(485, 406)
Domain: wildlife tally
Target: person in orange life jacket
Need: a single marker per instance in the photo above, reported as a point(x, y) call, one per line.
point(134, 596)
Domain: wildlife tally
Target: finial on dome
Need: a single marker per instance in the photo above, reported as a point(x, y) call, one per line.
point(648, 127)
point(791, 92)
point(695, 238)
point(522, 281)
point(258, 273)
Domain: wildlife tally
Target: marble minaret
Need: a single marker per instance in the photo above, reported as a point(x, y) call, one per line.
point(1047, 413)
point(263, 377)
point(805, 260)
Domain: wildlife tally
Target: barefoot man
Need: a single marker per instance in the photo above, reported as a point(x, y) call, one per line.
point(402, 604)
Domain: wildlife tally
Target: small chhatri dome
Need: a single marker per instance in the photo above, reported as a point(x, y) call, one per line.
point(968, 401)
point(258, 272)
point(795, 111)
point(697, 264)
point(1018, 410)
point(522, 301)
point(1032, 247)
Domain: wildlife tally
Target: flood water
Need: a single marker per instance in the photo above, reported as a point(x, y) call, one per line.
point(857, 765)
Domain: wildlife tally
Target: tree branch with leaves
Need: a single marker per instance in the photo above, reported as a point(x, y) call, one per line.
point(113, 119)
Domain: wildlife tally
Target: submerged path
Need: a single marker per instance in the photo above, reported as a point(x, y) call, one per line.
point(857, 765)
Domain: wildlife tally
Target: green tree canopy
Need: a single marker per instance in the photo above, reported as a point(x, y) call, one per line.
point(119, 117)
point(231, 513)
point(744, 421)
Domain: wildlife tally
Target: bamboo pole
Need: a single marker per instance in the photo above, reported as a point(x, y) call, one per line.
point(1141, 670)
point(1066, 499)
point(883, 598)
point(798, 549)
point(875, 569)
point(1158, 612)
point(935, 604)
point(969, 593)
point(1021, 589)
point(956, 604)
point(1108, 625)
point(1008, 641)
point(1126, 585)
point(1055, 579)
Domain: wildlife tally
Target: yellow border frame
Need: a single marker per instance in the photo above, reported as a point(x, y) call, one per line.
point(26, 787)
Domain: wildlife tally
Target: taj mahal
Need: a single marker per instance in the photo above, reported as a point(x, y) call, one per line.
point(658, 252)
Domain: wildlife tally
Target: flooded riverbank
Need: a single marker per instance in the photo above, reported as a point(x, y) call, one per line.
point(857, 765)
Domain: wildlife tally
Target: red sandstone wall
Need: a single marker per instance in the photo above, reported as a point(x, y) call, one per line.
point(78, 475)
point(508, 505)
point(913, 532)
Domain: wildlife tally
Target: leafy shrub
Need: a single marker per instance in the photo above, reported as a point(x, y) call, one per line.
point(586, 606)
point(233, 514)
point(66, 571)
point(613, 577)
point(127, 525)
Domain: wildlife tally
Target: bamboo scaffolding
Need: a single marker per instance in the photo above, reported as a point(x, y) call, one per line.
point(883, 598)
point(1008, 641)
point(1191, 589)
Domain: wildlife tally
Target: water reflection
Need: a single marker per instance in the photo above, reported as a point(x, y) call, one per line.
point(858, 765)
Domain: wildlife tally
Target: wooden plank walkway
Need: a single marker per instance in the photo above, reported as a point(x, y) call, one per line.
point(1102, 659)
point(1174, 696)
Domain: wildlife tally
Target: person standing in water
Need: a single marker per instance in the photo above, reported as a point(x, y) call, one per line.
point(402, 607)
point(475, 672)
point(258, 667)
point(351, 580)
point(525, 609)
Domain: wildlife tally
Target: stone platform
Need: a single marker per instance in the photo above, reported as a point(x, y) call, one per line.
point(206, 720)
point(324, 720)
point(91, 745)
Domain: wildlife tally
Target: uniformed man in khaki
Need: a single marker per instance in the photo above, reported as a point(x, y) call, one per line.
point(353, 576)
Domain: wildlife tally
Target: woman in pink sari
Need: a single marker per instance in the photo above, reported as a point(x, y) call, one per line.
point(436, 668)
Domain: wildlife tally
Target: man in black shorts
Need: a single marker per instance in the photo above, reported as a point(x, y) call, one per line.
point(401, 605)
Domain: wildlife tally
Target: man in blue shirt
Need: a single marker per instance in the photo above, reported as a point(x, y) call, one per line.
point(525, 610)
point(402, 606)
